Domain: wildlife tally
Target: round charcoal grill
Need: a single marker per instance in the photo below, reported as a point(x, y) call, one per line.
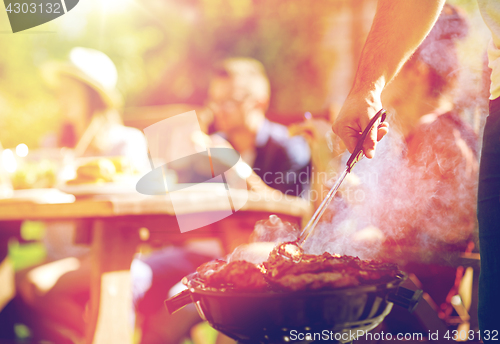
point(283, 317)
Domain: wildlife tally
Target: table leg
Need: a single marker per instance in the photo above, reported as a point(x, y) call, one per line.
point(110, 312)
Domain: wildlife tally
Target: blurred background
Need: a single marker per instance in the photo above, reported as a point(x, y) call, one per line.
point(163, 50)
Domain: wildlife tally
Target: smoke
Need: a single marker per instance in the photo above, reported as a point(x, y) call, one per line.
point(417, 195)
point(414, 197)
point(352, 228)
point(266, 235)
point(255, 253)
point(274, 230)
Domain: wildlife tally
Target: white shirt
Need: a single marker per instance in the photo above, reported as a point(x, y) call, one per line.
point(490, 11)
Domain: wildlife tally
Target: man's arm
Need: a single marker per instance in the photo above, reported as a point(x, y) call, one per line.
point(398, 28)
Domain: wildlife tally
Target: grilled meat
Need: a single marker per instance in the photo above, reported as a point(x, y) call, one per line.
point(313, 272)
point(325, 271)
point(240, 275)
point(206, 270)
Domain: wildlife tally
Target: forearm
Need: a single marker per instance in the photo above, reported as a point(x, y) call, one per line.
point(398, 29)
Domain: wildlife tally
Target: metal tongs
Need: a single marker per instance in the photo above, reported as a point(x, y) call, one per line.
point(293, 250)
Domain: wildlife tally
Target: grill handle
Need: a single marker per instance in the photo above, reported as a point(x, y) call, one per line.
point(178, 301)
point(406, 298)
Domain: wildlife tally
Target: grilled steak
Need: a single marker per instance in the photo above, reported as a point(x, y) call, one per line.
point(312, 272)
point(325, 271)
point(239, 274)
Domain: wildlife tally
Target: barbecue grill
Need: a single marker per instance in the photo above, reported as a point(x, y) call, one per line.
point(271, 317)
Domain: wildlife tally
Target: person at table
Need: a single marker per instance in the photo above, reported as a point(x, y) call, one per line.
point(239, 95)
point(85, 86)
point(397, 31)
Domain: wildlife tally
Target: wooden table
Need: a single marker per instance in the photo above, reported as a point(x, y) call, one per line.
point(114, 223)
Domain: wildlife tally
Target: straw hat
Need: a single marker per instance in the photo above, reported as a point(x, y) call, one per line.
point(92, 67)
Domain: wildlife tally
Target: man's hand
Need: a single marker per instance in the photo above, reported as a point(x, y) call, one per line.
point(353, 118)
point(398, 28)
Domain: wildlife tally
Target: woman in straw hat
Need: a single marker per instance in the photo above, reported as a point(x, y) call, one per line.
point(85, 86)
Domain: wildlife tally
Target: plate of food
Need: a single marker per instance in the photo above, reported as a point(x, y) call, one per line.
point(97, 176)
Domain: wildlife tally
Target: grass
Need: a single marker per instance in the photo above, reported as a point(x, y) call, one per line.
point(32, 253)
